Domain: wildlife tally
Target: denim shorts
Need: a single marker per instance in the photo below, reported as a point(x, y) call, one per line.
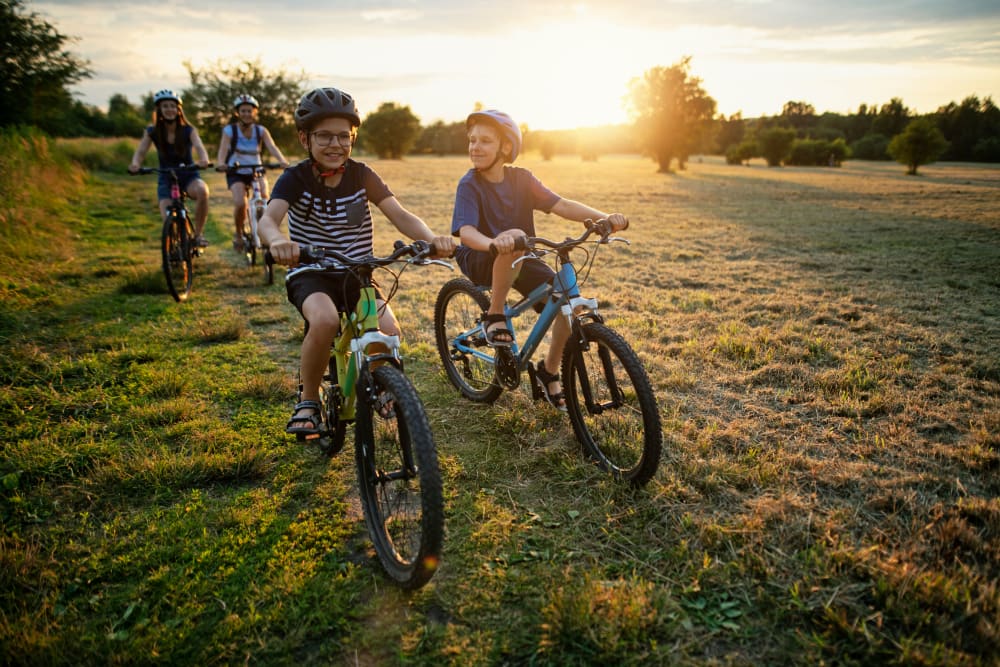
point(185, 178)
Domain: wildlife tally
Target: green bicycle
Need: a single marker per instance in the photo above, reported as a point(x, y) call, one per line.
point(394, 452)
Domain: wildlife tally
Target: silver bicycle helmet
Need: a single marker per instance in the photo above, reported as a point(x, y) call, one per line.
point(325, 103)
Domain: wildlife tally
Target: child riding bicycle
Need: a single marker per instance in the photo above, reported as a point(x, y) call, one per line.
point(174, 139)
point(241, 143)
point(326, 199)
point(494, 205)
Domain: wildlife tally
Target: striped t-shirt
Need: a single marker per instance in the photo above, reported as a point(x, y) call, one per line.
point(331, 218)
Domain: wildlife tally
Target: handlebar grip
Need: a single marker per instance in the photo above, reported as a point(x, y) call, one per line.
point(520, 243)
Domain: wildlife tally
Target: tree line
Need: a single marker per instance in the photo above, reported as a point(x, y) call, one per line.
point(673, 116)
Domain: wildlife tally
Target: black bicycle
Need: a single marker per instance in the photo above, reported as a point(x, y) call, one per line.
point(178, 243)
point(394, 451)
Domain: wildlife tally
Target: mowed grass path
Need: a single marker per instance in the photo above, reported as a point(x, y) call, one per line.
point(824, 346)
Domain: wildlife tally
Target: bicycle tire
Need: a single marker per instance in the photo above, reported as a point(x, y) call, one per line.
point(399, 479)
point(256, 211)
point(458, 307)
point(622, 431)
point(332, 441)
point(176, 245)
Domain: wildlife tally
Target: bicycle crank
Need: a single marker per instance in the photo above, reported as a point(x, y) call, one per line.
point(507, 372)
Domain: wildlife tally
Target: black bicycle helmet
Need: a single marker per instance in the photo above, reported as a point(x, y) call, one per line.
point(325, 103)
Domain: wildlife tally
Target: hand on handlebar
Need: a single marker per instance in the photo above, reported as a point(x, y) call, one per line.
point(285, 252)
point(443, 247)
point(508, 241)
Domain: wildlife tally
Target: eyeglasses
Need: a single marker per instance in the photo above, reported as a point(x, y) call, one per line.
point(326, 138)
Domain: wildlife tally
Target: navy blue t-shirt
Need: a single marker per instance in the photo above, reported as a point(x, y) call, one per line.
point(494, 207)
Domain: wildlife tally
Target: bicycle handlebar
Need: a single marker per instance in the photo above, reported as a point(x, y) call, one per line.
point(167, 170)
point(419, 252)
point(601, 226)
point(234, 167)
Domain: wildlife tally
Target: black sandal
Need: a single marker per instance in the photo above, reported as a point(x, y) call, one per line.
point(315, 420)
point(558, 400)
point(490, 334)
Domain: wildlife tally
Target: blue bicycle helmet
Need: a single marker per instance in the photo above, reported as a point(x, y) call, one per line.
point(508, 128)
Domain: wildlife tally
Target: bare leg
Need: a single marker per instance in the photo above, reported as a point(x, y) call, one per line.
point(239, 191)
point(198, 190)
point(324, 323)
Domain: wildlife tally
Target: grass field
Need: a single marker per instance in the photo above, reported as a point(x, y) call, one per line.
point(825, 348)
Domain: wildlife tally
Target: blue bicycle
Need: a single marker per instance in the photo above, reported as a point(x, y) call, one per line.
point(609, 398)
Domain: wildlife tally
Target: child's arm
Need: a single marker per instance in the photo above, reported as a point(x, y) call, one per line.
point(140, 152)
point(574, 210)
point(283, 250)
point(415, 228)
point(273, 149)
point(199, 148)
point(220, 162)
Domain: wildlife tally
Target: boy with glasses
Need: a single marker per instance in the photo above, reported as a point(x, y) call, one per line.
point(326, 199)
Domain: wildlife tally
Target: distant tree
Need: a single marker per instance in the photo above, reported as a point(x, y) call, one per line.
point(966, 125)
point(892, 118)
point(742, 152)
point(390, 131)
point(35, 70)
point(920, 143)
point(124, 119)
point(442, 139)
point(775, 144)
point(872, 146)
point(798, 115)
point(208, 103)
point(673, 113)
point(729, 131)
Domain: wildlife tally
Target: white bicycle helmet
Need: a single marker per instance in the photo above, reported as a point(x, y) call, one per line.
point(245, 99)
point(167, 94)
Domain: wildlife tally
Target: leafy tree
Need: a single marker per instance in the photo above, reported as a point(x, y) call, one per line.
point(125, 120)
point(729, 131)
point(920, 143)
point(872, 146)
point(673, 113)
point(775, 144)
point(35, 70)
point(742, 152)
point(390, 131)
point(798, 115)
point(442, 139)
point(892, 118)
point(966, 125)
point(208, 103)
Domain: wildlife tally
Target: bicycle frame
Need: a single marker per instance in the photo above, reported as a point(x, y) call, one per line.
point(566, 304)
point(358, 330)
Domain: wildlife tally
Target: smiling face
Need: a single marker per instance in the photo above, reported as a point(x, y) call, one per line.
point(484, 145)
point(337, 134)
point(167, 110)
point(247, 113)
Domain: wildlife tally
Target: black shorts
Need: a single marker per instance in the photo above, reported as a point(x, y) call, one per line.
point(478, 267)
point(245, 179)
point(343, 288)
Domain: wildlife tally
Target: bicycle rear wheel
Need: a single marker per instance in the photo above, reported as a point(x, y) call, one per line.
point(468, 360)
point(611, 404)
point(399, 479)
point(256, 212)
point(176, 244)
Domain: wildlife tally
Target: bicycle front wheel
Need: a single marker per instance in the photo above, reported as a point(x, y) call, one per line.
point(611, 404)
point(468, 360)
point(399, 478)
point(256, 212)
point(176, 243)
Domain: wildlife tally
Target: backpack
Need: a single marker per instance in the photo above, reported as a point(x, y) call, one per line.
point(258, 133)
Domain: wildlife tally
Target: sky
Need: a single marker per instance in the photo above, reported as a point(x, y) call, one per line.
point(551, 65)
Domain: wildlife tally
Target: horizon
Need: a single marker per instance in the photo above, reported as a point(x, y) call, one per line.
point(551, 65)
